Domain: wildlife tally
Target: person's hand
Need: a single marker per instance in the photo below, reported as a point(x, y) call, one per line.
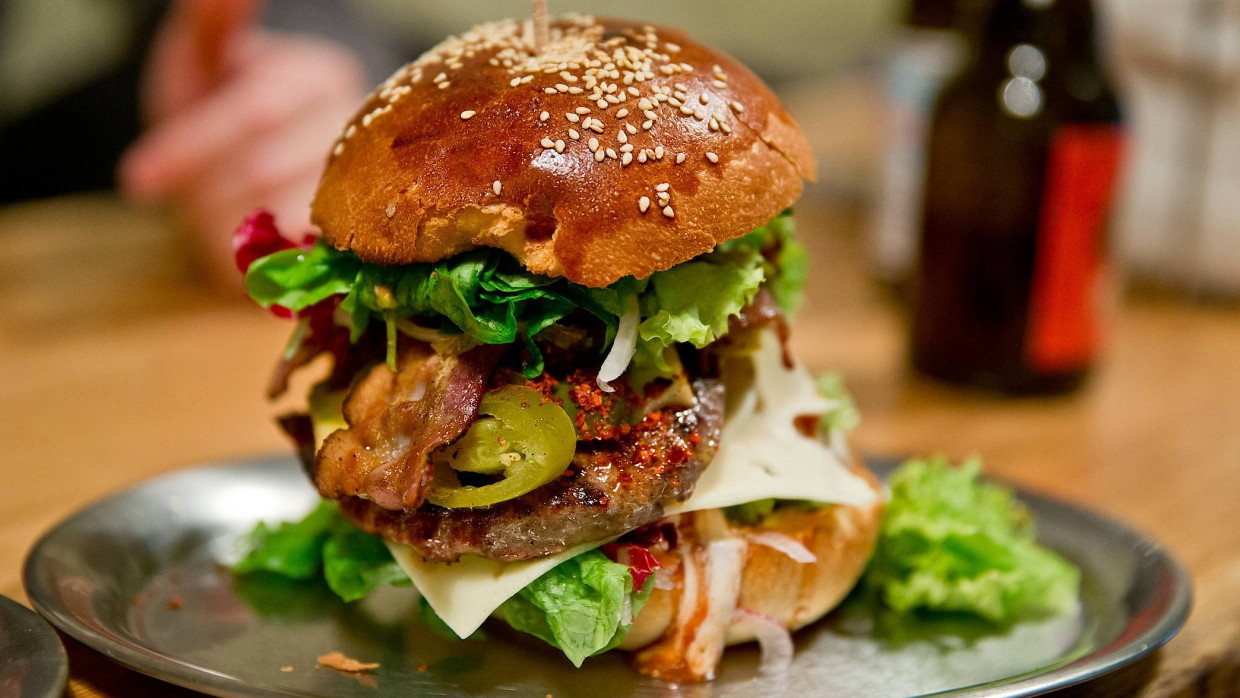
point(239, 118)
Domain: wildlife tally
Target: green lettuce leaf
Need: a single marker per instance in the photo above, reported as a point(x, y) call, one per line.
point(356, 563)
point(487, 295)
point(951, 543)
point(353, 562)
point(844, 416)
point(578, 606)
point(786, 260)
point(291, 549)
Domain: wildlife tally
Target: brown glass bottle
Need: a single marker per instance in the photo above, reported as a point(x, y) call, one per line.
point(1022, 156)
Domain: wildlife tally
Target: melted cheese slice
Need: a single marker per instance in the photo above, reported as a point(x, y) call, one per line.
point(761, 455)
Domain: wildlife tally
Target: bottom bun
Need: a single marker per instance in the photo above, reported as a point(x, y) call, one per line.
point(773, 584)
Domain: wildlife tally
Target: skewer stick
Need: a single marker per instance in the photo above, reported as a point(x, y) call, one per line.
point(540, 24)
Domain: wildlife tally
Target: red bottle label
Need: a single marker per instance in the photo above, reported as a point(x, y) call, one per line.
point(1062, 331)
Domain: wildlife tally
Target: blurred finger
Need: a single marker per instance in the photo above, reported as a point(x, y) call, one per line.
point(212, 25)
point(256, 102)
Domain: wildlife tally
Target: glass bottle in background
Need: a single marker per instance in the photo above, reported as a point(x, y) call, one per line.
point(1022, 157)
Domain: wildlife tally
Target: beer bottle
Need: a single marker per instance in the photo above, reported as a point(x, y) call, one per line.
point(1021, 162)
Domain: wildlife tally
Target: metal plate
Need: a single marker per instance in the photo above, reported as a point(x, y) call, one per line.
point(137, 577)
point(33, 663)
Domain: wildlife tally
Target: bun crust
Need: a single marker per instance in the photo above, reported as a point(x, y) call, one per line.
point(773, 584)
point(448, 155)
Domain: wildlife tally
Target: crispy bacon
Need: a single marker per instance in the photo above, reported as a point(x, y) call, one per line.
point(397, 419)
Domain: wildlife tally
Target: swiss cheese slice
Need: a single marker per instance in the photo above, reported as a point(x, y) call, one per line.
point(761, 455)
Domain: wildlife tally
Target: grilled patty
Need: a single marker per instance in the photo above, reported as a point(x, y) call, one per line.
point(613, 485)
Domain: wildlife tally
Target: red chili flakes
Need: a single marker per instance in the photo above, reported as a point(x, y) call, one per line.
point(695, 437)
point(174, 603)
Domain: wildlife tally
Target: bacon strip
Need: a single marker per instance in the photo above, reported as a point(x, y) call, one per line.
point(396, 420)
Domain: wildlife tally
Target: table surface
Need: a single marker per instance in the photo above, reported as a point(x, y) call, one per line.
point(117, 364)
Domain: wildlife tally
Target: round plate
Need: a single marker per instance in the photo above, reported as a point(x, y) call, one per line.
point(33, 663)
point(138, 577)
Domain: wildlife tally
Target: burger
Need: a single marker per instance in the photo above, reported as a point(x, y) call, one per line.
point(553, 284)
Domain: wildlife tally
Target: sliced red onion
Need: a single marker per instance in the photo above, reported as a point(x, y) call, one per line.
point(622, 348)
point(785, 544)
point(773, 638)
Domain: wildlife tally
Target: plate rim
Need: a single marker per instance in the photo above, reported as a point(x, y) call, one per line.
point(46, 640)
point(1093, 664)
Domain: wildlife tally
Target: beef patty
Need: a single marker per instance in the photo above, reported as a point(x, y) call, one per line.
point(613, 485)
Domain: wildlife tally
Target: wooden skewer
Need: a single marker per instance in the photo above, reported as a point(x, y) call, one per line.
point(540, 24)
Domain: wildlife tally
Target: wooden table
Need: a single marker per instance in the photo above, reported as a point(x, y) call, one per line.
point(117, 365)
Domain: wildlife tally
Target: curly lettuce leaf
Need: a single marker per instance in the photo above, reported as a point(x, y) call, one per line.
point(579, 606)
point(487, 295)
point(356, 563)
point(951, 543)
point(786, 261)
point(843, 416)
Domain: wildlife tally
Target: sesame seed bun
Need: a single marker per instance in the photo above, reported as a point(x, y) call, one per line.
point(840, 537)
point(620, 149)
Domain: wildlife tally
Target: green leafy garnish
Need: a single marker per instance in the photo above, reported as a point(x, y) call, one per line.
point(291, 549)
point(578, 606)
point(353, 562)
point(844, 415)
point(488, 296)
point(786, 260)
point(951, 543)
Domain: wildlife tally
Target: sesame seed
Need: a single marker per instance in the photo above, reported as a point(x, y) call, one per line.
point(632, 90)
point(338, 149)
point(714, 124)
point(720, 84)
point(680, 157)
point(593, 144)
point(658, 152)
point(440, 77)
point(599, 155)
point(723, 126)
point(559, 146)
point(602, 104)
point(641, 157)
point(736, 106)
point(572, 133)
point(667, 211)
point(623, 137)
point(549, 90)
point(664, 186)
point(514, 82)
point(631, 129)
point(611, 154)
point(582, 110)
point(664, 198)
point(704, 98)
point(572, 117)
point(496, 187)
point(466, 115)
point(622, 113)
point(712, 157)
point(644, 103)
point(574, 90)
point(544, 116)
point(649, 114)
point(561, 87)
point(626, 159)
point(675, 102)
point(627, 147)
point(547, 143)
point(643, 203)
point(674, 48)
point(444, 85)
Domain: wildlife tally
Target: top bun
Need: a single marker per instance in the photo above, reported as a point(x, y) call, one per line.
point(620, 149)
